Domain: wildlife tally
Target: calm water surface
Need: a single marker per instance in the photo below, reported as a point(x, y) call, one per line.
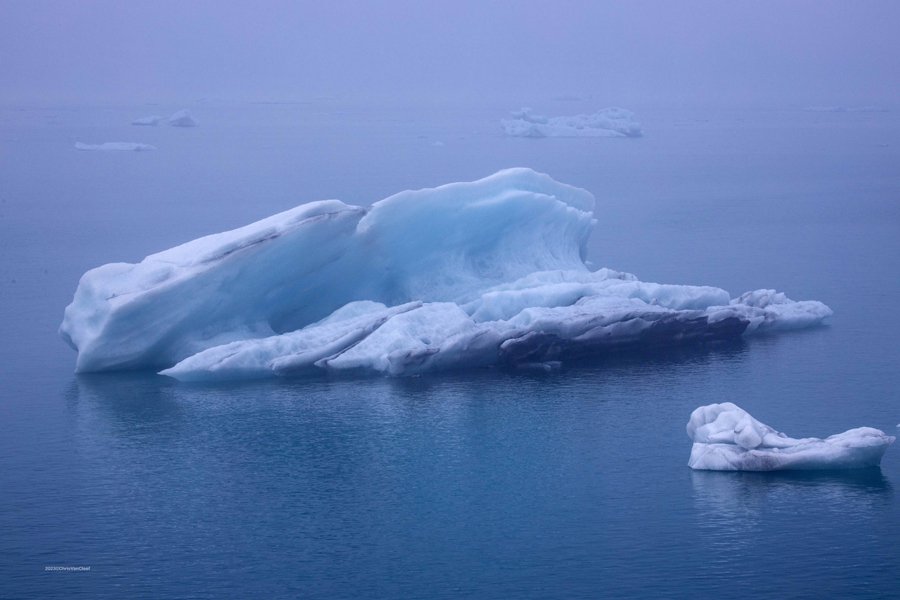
point(466, 485)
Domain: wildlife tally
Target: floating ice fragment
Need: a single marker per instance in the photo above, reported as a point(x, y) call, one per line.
point(824, 109)
point(182, 118)
point(115, 146)
point(608, 122)
point(727, 438)
point(840, 109)
point(151, 121)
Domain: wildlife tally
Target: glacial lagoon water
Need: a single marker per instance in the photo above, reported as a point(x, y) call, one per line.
point(488, 484)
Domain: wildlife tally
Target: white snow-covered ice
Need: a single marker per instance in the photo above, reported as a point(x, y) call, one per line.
point(115, 147)
point(463, 275)
point(182, 118)
point(727, 438)
point(608, 122)
point(150, 121)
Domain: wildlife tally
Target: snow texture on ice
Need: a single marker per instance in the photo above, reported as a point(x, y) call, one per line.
point(608, 122)
point(463, 275)
point(727, 438)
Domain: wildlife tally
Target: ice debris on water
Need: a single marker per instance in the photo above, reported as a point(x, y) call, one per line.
point(115, 146)
point(608, 122)
point(148, 121)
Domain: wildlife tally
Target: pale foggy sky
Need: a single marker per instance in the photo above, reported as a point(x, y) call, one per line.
point(645, 52)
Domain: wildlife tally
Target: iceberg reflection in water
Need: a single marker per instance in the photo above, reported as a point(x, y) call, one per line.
point(735, 509)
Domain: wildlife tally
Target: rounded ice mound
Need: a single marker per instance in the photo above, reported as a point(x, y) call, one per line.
point(777, 312)
point(727, 438)
point(182, 118)
point(471, 274)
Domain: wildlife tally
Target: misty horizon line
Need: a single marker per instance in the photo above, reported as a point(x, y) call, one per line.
point(578, 101)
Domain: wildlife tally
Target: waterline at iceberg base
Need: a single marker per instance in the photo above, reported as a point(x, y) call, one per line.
point(470, 274)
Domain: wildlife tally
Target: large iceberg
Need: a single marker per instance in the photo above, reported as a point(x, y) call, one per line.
point(608, 122)
point(727, 438)
point(471, 274)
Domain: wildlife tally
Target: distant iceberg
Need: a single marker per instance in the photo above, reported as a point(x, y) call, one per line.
point(182, 118)
point(824, 109)
point(472, 274)
point(115, 146)
point(608, 122)
point(727, 438)
point(839, 109)
point(150, 120)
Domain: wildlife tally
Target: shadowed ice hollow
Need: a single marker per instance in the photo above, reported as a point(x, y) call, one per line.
point(463, 275)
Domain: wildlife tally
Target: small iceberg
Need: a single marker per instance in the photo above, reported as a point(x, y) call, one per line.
point(608, 122)
point(727, 438)
point(148, 121)
point(182, 118)
point(116, 147)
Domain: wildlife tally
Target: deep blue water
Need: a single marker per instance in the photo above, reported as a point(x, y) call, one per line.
point(489, 484)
